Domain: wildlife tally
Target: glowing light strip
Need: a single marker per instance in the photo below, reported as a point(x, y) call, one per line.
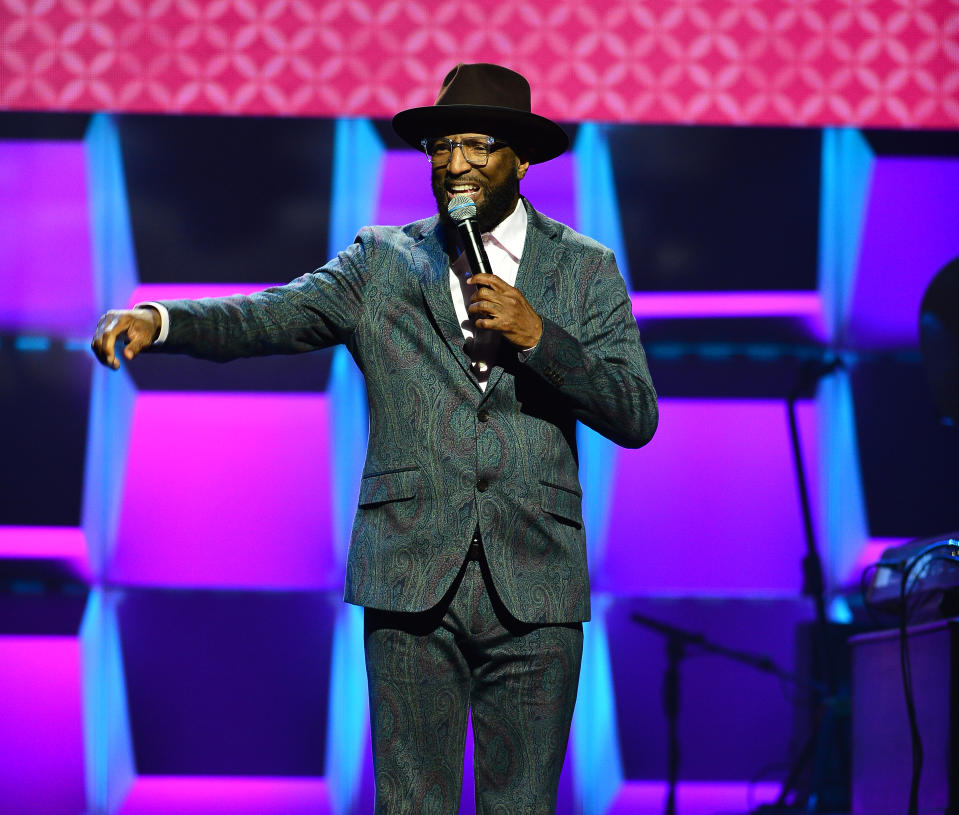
point(357, 162)
point(805, 304)
point(29, 342)
point(53, 542)
point(594, 742)
point(692, 797)
point(645, 305)
point(108, 745)
point(111, 397)
point(146, 292)
point(195, 795)
point(846, 178)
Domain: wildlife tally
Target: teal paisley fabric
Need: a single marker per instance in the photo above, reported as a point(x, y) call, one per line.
point(445, 456)
point(428, 671)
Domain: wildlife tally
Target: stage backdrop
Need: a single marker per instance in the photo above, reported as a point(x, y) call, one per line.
point(145, 611)
point(876, 63)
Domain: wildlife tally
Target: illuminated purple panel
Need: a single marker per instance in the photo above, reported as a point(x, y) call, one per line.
point(63, 543)
point(41, 736)
point(692, 798)
point(46, 285)
point(405, 194)
point(147, 292)
point(227, 490)
point(711, 504)
point(551, 188)
point(196, 795)
point(910, 232)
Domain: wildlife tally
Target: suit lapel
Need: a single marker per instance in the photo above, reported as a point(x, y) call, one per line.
point(432, 265)
point(535, 278)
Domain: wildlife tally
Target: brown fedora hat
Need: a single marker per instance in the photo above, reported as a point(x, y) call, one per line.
point(488, 99)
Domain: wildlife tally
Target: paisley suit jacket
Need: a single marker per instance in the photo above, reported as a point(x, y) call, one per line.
point(444, 455)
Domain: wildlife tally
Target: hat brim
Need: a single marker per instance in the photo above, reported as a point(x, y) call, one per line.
point(537, 138)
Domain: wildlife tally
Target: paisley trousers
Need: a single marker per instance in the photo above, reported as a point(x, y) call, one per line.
point(428, 670)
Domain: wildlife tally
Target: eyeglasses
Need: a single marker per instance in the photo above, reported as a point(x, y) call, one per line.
point(475, 150)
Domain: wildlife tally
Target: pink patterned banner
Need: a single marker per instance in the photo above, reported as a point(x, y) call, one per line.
point(878, 63)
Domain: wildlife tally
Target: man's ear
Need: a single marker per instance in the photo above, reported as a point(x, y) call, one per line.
point(522, 165)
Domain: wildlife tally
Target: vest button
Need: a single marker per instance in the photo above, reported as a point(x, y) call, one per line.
point(483, 416)
point(482, 485)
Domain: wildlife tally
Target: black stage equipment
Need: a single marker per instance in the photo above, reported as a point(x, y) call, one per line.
point(916, 581)
point(884, 777)
point(939, 339)
point(929, 568)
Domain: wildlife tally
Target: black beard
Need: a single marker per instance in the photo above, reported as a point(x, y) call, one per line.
point(497, 201)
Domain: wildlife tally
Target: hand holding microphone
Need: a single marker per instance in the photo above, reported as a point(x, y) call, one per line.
point(496, 305)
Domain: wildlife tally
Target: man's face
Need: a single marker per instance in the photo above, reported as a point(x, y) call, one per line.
point(494, 188)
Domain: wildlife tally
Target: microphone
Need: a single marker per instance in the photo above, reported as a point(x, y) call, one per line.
point(462, 210)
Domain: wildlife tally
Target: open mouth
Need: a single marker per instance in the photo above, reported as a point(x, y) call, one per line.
point(472, 190)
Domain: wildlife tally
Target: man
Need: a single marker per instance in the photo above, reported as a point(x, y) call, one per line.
point(468, 549)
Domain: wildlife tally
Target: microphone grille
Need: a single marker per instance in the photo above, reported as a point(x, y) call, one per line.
point(461, 208)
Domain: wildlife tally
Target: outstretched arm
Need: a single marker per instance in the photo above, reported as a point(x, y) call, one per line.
point(314, 311)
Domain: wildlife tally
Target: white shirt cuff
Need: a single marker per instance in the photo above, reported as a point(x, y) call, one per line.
point(524, 353)
point(164, 320)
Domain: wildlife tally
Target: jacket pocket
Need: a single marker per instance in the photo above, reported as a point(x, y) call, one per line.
point(390, 485)
point(562, 502)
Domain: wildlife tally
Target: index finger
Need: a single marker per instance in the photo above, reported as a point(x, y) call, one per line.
point(483, 279)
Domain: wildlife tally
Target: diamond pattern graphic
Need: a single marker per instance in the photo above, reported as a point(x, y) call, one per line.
point(877, 63)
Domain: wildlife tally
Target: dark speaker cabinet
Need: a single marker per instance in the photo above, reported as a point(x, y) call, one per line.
point(882, 747)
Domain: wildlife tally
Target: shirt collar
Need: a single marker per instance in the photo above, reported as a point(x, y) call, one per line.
point(510, 233)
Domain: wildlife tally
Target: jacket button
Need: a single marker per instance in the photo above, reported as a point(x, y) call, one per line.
point(482, 485)
point(483, 416)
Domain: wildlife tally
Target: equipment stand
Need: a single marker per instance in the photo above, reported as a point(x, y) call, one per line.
point(678, 641)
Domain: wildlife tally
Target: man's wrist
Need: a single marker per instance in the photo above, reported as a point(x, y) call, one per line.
point(162, 322)
point(525, 352)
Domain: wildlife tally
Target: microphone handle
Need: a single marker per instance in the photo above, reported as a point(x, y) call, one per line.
point(473, 246)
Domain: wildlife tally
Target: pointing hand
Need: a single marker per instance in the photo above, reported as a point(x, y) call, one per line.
point(137, 327)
